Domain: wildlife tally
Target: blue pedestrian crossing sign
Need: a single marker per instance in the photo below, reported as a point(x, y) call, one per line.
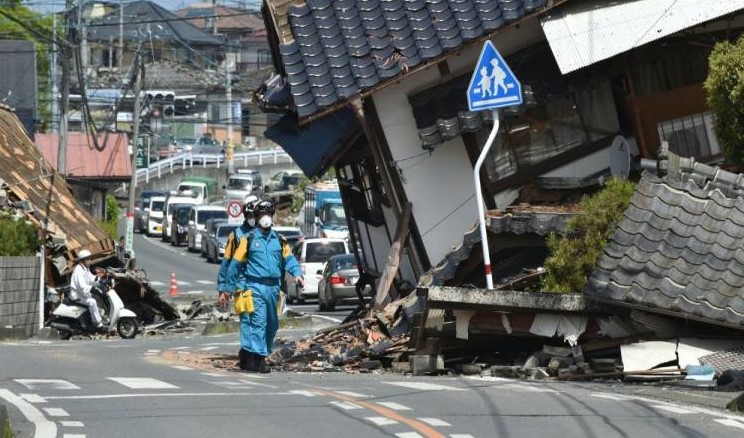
point(493, 85)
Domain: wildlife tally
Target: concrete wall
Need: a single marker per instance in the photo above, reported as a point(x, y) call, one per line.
point(19, 296)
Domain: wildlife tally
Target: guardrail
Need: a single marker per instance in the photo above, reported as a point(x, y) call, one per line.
point(190, 160)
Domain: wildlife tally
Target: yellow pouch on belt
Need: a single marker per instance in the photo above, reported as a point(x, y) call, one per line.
point(243, 302)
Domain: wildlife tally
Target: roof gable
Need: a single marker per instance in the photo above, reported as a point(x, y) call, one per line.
point(85, 161)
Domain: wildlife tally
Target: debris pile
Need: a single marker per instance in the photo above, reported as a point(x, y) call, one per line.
point(374, 341)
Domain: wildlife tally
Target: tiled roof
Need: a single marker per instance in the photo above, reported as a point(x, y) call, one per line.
point(516, 221)
point(29, 177)
point(678, 247)
point(167, 75)
point(84, 161)
point(228, 18)
point(339, 48)
point(146, 19)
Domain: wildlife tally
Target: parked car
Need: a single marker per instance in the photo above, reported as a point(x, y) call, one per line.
point(142, 207)
point(197, 222)
point(312, 254)
point(338, 281)
point(280, 180)
point(171, 200)
point(153, 217)
point(209, 227)
point(292, 234)
point(180, 223)
point(217, 240)
point(199, 145)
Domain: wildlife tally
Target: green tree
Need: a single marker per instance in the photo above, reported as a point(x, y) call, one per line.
point(574, 255)
point(724, 87)
point(17, 237)
point(17, 22)
point(110, 224)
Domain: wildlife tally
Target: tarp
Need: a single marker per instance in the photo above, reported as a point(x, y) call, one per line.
point(313, 146)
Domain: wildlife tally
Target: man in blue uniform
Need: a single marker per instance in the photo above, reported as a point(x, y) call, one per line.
point(225, 288)
point(258, 266)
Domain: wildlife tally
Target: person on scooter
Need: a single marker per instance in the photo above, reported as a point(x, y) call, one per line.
point(80, 288)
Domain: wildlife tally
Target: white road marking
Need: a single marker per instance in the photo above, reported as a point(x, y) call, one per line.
point(381, 421)
point(193, 292)
point(352, 394)
point(673, 409)
point(228, 344)
point(460, 435)
point(183, 283)
point(142, 383)
point(730, 422)
point(179, 348)
point(33, 398)
point(208, 348)
point(205, 282)
point(394, 406)
point(153, 351)
point(610, 396)
point(214, 375)
point(72, 423)
point(163, 394)
point(182, 367)
point(53, 384)
point(408, 435)
point(157, 283)
point(347, 406)
point(254, 376)
point(435, 422)
point(43, 427)
point(305, 393)
point(424, 386)
point(73, 435)
point(248, 382)
point(56, 412)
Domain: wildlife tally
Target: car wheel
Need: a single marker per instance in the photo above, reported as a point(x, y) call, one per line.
point(330, 302)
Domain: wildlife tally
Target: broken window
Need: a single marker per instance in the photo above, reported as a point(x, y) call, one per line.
point(362, 185)
point(691, 136)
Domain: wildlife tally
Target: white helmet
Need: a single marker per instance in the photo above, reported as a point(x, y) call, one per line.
point(83, 254)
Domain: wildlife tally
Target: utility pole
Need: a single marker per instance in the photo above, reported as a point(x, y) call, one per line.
point(55, 85)
point(121, 35)
point(139, 72)
point(230, 151)
point(64, 104)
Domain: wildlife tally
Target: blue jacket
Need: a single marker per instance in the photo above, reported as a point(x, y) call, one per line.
point(232, 243)
point(263, 260)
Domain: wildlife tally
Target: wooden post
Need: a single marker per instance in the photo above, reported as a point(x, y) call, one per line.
point(393, 260)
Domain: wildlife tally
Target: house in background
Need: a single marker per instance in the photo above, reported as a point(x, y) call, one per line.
point(18, 88)
point(91, 173)
point(377, 90)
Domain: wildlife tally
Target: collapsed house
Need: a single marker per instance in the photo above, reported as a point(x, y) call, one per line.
point(376, 89)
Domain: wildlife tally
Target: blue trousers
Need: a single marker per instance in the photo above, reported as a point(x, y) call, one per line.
point(258, 329)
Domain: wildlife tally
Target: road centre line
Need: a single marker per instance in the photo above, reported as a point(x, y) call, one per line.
point(425, 429)
point(170, 394)
point(43, 427)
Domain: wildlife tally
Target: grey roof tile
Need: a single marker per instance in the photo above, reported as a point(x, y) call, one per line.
point(377, 22)
point(531, 5)
point(318, 4)
point(395, 15)
point(510, 15)
point(493, 24)
point(391, 5)
point(320, 79)
point(436, 6)
point(307, 110)
point(367, 5)
point(351, 33)
point(335, 52)
point(299, 89)
point(486, 5)
point(346, 92)
point(304, 99)
point(415, 5)
point(338, 61)
point(297, 79)
point(462, 6)
point(308, 42)
point(344, 15)
point(332, 42)
point(294, 69)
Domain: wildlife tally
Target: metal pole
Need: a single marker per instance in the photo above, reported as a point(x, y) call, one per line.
point(64, 105)
point(479, 197)
point(229, 151)
point(41, 287)
point(139, 71)
point(55, 85)
point(121, 35)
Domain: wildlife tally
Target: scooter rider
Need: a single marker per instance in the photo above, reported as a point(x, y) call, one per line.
point(80, 286)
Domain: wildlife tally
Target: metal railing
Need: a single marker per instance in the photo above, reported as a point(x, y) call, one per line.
point(190, 160)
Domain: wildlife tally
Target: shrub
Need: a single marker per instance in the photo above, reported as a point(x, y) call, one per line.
point(17, 237)
point(574, 256)
point(725, 94)
point(111, 223)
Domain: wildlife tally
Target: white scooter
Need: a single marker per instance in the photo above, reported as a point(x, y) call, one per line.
point(71, 318)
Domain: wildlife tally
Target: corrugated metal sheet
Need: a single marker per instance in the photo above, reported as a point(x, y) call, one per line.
point(585, 32)
point(30, 178)
point(84, 160)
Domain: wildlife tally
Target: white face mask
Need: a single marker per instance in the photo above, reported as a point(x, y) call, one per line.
point(265, 221)
point(251, 222)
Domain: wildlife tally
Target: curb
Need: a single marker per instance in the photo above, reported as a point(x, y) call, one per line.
point(303, 321)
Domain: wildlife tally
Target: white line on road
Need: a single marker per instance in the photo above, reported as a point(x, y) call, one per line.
point(423, 386)
point(254, 376)
point(142, 383)
point(182, 368)
point(43, 427)
point(193, 292)
point(381, 421)
point(610, 396)
point(248, 382)
point(352, 394)
point(394, 406)
point(408, 435)
point(214, 375)
point(205, 282)
point(179, 348)
point(33, 398)
point(165, 394)
point(460, 435)
point(73, 435)
point(183, 283)
point(208, 348)
point(72, 423)
point(730, 422)
point(302, 392)
point(673, 409)
point(56, 412)
point(157, 283)
point(52, 384)
point(435, 422)
point(347, 406)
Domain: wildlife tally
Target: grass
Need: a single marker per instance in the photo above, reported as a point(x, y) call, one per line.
point(7, 430)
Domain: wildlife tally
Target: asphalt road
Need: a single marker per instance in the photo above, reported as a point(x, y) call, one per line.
point(118, 388)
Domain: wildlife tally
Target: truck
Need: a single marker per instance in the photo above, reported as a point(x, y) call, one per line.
point(324, 214)
point(243, 183)
point(203, 188)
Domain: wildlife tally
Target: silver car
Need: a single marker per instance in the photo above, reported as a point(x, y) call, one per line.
point(217, 239)
point(338, 282)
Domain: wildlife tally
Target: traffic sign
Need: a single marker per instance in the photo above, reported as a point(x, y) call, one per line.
point(493, 85)
point(234, 209)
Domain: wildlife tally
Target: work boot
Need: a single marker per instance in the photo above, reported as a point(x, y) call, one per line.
point(261, 365)
point(244, 359)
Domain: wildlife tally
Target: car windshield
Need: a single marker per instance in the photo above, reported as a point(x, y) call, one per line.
point(334, 215)
point(344, 262)
point(225, 230)
point(182, 215)
point(203, 216)
point(319, 252)
point(206, 141)
point(186, 141)
point(239, 184)
point(157, 205)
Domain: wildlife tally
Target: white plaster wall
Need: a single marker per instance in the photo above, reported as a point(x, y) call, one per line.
point(439, 185)
point(583, 167)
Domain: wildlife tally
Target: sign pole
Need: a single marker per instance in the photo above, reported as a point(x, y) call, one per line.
point(479, 197)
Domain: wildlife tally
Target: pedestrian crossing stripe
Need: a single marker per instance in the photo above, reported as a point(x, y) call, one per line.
point(53, 384)
point(142, 383)
point(205, 282)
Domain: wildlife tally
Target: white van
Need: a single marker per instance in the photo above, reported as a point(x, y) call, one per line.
point(198, 220)
point(312, 254)
point(153, 218)
point(242, 184)
point(173, 199)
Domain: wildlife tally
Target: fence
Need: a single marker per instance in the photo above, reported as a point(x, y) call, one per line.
point(19, 296)
point(190, 160)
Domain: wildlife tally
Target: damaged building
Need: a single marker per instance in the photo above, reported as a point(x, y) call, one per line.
point(376, 89)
